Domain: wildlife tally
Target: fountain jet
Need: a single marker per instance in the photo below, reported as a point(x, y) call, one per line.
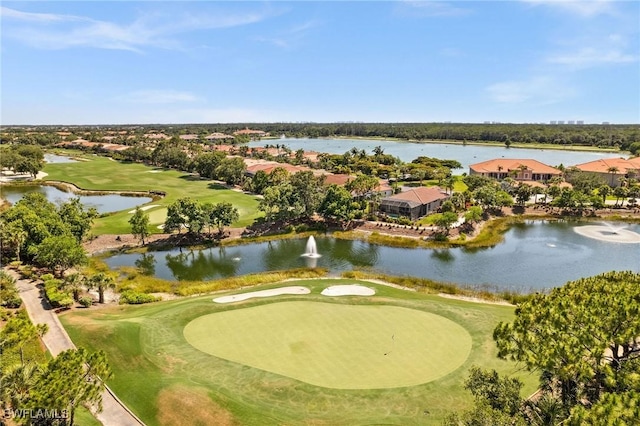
point(311, 250)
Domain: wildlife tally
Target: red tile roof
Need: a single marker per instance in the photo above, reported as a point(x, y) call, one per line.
point(505, 165)
point(421, 195)
point(603, 165)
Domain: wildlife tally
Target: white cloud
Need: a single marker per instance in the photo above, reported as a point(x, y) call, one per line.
point(430, 8)
point(540, 90)
point(157, 97)
point(589, 56)
point(6, 12)
point(581, 8)
point(291, 37)
point(53, 31)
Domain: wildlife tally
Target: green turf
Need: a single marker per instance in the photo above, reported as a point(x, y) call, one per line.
point(101, 173)
point(336, 346)
point(150, 356)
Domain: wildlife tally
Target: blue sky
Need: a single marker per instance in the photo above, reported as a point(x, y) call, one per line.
point(403, 61)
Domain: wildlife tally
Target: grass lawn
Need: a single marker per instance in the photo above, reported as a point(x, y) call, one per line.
point(273, 360)
point(101, 173)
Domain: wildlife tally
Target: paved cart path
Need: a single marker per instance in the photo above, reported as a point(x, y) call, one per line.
point(56, 339)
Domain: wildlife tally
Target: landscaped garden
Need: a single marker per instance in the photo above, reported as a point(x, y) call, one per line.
point(399, 355)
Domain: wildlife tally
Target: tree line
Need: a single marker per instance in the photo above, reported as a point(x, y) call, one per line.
point(623, 136)
point(583, 342)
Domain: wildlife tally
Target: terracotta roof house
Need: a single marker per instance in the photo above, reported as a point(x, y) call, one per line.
point(414, 203)
point(271, 166)
point(249, 132)
point(337, 179)
point(156, 136)
point(612, 169)
point(189, 137)
point(217, 137)
point(518, 169)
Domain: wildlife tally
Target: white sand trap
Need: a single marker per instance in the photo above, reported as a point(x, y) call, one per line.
point(608, 234)
point(348, 290)
point(263, 293)
point(143, 208)
point(154, 171)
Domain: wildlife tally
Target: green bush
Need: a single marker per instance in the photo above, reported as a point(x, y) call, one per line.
point(85, 301)
point(56, 296)
point(303, 227)
point(66, 301)
point(9, 297)
point(134, 298)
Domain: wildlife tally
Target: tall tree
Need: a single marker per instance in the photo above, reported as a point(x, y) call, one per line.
point(582, 337)
point(77, 218)
point(221, 215)
point(339, 205)
point(72, 379)
point(59, 253)
point(139, 224)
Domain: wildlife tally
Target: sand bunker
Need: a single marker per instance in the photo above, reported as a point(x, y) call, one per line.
point(348, 290)
point(143, 208)
point(263, 293)
point(608, 234)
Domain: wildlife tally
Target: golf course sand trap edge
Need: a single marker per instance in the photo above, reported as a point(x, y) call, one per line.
point(348, 290)
point(143, 208)
point(263, 293)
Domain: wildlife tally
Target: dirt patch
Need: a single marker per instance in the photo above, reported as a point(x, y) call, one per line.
point(181, 405)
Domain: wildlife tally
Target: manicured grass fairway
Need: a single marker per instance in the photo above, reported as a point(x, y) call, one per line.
point(101, 173)
point(336, 346)
point(156, 369)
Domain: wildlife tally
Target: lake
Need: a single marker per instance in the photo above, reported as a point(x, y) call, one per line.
point(534, 256)
point(465, 154)
point(102, 203)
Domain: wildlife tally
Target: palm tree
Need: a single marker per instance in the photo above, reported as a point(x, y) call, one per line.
point(612, 171)
point(101, 282)
point(18, 382)
point(75, 282)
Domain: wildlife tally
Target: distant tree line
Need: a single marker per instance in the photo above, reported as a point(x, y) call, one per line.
point(623, 136)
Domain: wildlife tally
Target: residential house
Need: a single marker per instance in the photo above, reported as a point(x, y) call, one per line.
point(518, 169)
point(612, 170)
point(414, 202)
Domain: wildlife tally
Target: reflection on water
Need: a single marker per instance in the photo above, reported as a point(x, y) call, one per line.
point(146, 264)
point(534, 256)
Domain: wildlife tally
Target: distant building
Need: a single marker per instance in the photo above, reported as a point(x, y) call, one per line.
point(414, 203)
point(560, 121)
point(517, 169)
point(571, 122)
point(553, 122)
point(612, 169)
point(580, 122)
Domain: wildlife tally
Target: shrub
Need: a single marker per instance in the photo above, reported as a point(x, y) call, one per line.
point(65, 302)
point(85, 301)
point(303, 227)
point(132, 297)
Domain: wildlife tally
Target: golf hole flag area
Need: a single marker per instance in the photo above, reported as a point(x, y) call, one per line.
point(335, 346)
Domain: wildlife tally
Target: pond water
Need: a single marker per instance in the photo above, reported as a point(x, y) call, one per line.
point(53, 158)
point(102, 203)
point(534, 256)
point(465, 154)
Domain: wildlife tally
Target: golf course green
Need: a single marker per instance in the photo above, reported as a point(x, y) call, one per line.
point(297, 359)
point(335, 346)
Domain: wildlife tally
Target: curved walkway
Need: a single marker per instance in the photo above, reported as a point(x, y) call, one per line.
point(56, 339)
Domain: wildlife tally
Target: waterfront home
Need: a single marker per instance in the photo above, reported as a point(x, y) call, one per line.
point(414, 202)
point(613, 170)
point(518, 169)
